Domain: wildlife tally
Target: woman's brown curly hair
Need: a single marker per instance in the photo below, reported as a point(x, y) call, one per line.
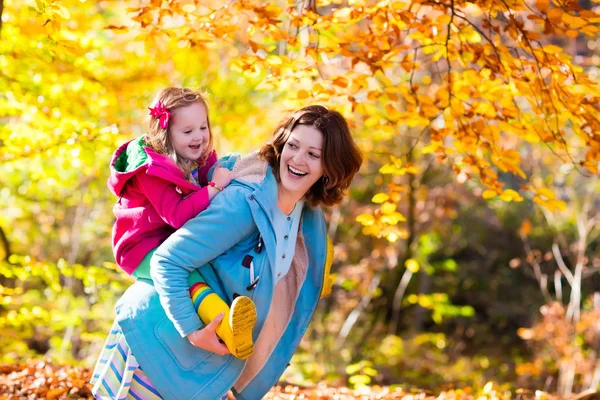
point(340, 156)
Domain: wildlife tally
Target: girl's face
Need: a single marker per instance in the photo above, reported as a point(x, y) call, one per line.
point(301, 164)
point(189, 131)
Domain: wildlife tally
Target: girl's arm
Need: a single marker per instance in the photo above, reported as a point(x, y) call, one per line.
point(173, 207)
point(199, 241)
point(203, 171)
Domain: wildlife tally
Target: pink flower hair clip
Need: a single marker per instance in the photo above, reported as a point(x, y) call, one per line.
point(161, 113)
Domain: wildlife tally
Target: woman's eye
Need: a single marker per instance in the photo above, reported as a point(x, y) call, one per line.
point(313, 155)
point(293, 146)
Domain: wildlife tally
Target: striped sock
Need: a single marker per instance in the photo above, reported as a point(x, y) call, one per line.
point(198, 293)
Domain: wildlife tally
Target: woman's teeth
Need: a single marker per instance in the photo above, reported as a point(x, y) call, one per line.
point(296, 172)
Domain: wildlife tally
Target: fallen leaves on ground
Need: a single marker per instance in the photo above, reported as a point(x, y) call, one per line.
point(44, 380)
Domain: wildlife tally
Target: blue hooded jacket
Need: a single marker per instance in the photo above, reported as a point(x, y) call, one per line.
point(156, 317)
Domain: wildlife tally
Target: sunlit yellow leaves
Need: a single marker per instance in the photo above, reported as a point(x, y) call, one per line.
point(341, 81)
point(542, 5)
point(58, 10)
point(380, 198)
point(489, 193)
point(444, 19)
point(554, 15)
point(393, 218)
point(484, 108)
point(574, 22)
point(395, 168)
point(366, 219)
point(470, 35)
point(388, 208)
point(302, 94)
point(508, 160)
point(412, 265)
point(591, 166)
point(547, 198)
point(552, 49)
point(342, 15)
point(509, 195)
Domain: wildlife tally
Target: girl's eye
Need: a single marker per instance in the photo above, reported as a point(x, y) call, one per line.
point(188, 132)
point(203, 128)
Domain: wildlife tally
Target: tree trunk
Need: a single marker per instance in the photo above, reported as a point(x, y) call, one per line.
point(397, 288)
point(1, 10)
point(3, 238)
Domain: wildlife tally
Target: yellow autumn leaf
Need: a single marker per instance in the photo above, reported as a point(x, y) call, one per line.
point(542, 5)
point(59, 10)
point(366, 219)
point(488, 194)
point(559, 205)
point(554, 15)
point(511, 195)
point(393, 218)
point(302, 94)
point(380, 198)
point(412, 265)
point(341, 81)
point(591, 166)
point(430, 148)
point(552, 49)
point(388, 208)
point(371, 122)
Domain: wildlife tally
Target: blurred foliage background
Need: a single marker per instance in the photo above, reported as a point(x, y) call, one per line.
point(467, 251)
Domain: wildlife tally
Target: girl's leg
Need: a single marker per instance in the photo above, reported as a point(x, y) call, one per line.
point(236, 328)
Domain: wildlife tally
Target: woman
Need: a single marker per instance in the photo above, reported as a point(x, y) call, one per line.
point(264, 237)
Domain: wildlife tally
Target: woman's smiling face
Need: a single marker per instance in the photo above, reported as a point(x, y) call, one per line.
point(301, 164)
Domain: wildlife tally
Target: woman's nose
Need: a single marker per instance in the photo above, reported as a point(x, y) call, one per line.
point(298, 158)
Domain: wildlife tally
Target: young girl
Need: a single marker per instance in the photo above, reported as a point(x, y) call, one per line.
point(161, 182)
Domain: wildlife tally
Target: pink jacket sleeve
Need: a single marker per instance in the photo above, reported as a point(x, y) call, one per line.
point(174, 208)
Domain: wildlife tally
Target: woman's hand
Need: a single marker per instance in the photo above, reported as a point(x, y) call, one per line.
point(206, 338)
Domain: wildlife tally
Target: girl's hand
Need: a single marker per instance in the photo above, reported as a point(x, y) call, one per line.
point(222, 176)
point(206, 338)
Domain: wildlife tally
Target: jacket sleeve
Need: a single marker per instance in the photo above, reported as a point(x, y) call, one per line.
point(199, 241)
point(173, 207)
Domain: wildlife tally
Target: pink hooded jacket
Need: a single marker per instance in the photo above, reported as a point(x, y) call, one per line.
point(155, 199)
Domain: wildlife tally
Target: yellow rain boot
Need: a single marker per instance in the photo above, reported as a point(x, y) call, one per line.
point(236, 328)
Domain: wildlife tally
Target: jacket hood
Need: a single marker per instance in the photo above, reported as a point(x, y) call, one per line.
point(126, 161)
point(248, 170)
point(135, 156)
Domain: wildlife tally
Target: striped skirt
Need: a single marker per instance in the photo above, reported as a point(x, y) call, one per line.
point(118, 375)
